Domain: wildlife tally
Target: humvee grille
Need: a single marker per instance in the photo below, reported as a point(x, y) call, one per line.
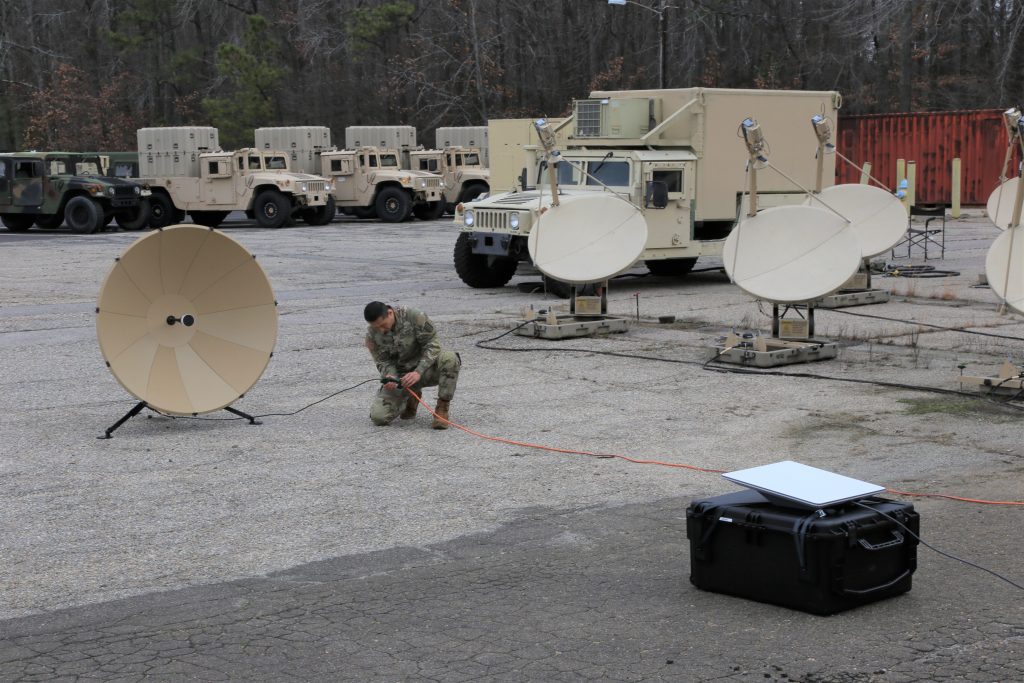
point(124, 191)
point(316, 186)
point(492, 220)
point(588, 118)
point(433, 182)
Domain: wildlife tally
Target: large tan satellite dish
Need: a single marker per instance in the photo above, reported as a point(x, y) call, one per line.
point(186, 320)
point(792, 254)
point(588, 238)
point(876, 215)
point(1000, 203)
point(1004, 266)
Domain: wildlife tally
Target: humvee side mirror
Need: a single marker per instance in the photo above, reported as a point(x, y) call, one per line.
point(656, 195)
point(524, 178)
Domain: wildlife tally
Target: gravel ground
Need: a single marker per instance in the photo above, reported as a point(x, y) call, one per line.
point(169, 504)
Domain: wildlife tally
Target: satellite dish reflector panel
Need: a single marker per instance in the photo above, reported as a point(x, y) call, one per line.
point(186, 320)
point(792, 254)
point(876, 215)
point(588, 238)
point(794, 484)
point(1000, 203)
point(1004, 267)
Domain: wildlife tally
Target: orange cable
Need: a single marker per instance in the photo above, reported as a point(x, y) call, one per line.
point(570, 451)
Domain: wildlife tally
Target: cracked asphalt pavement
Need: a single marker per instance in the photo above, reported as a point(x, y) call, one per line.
point(319, 547)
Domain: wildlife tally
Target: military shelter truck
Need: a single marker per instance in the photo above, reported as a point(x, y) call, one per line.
point(675, 154)
point(461, 168)
point(48, 189)
point(475, 137)
point(368, 182)
point(187, 172)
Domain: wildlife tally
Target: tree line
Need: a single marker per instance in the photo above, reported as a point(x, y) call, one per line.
point(83, 75)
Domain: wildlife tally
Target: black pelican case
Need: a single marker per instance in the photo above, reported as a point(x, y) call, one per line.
point(821, 562)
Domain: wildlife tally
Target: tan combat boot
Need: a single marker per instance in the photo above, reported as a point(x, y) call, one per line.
point(441, 411)
point(411, 405)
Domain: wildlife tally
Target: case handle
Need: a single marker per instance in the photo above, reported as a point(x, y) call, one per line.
point(897, 539)
point(884, 586)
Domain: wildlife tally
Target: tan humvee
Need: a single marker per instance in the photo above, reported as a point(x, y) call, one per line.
point(672, 153)
point(187, 177)
point(461, 168)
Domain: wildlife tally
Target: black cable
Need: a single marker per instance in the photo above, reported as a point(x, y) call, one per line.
point(741, 370)
point(294, 412)
point(940, 552)
point(911, 322)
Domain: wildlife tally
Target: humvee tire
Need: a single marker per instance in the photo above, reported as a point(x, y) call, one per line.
point(208, 219)
point(671, 266)
point(481, 270)
point(140, 219)
point(392, 205)
point(429, 211)
point(162, 212)
point(83, 215)
point(321, 215)
point(471, 192)
point(50, 222)
point(271, 209)
point(18, 222)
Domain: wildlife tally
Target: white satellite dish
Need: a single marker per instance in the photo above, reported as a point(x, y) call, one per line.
point(792, 254)
point(588, 238)
point(1004, 266)
point(876, 215)
point(1000, 203)
point(186, 320)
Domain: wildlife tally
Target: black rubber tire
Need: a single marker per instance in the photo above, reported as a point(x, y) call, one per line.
point(392, 205)
point(137, 220)
point(271, 209)
point(429, 211)
point(321, 215)
point(208, 219)
point(675, 267)
point(563, 290)
point(481, 271)
point(364, 212)
point(472, 191)
point(18, 222)
point(83, 215)
point(162, 211)
point(50, 222)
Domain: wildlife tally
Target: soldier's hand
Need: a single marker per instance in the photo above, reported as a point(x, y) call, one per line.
point(390, 386)
point(410, 379)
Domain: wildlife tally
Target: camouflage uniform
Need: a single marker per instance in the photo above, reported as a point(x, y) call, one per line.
point(410, 345)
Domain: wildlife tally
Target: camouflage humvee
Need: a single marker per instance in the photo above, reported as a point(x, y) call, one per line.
point(49, 188)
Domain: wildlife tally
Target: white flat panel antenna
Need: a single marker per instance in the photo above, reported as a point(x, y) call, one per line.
point(588, 238)
point(791, 483)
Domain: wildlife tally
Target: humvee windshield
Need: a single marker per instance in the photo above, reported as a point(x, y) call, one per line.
point(471, 159)
point(276, 164)
point(388, 161)
point(255, 163)
point(57, 167)
point(610, 173)
point(87, 167)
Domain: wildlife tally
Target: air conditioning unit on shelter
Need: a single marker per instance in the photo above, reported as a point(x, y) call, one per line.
point(616, 118)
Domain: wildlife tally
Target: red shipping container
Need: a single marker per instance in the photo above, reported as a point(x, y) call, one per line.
point(933, 140)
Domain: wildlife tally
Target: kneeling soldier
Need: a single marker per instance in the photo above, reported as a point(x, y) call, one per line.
point(404, 345)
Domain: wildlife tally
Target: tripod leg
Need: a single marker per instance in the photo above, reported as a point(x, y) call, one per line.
point(129, 415)
point(252, 420)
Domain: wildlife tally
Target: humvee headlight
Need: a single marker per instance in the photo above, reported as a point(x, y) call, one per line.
point(137, 189)
point(305, 188)
point(513, 221)
point(468, 218)
point(423, 182)
point(110, 192)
